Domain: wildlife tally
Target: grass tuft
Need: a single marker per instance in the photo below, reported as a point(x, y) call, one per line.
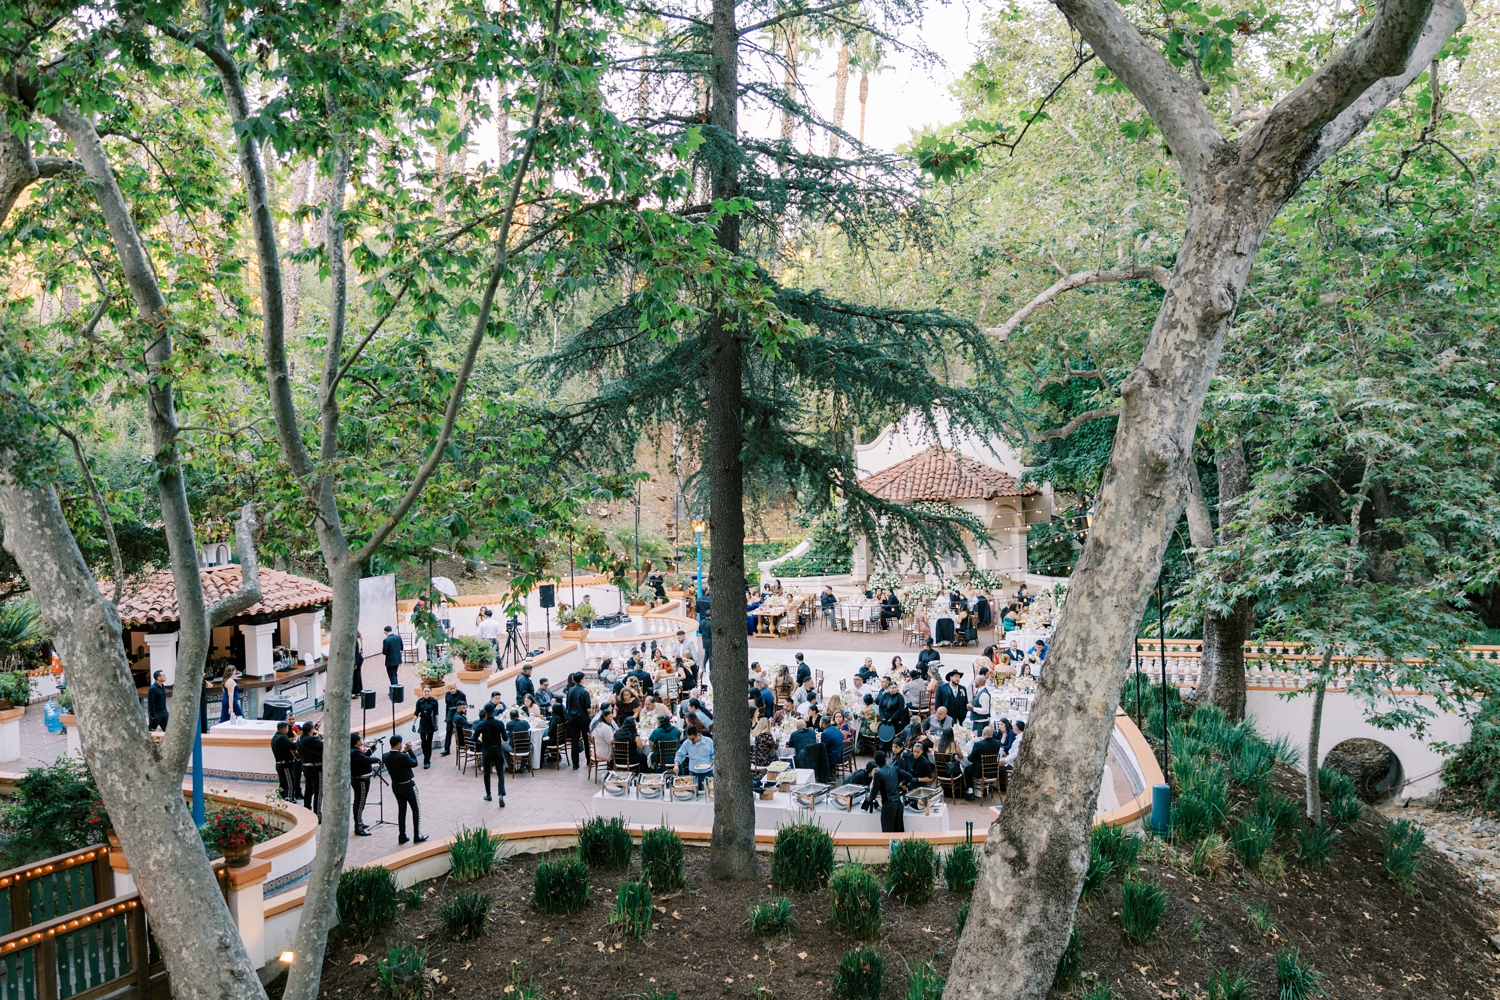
point(854, 892)
point(771, 916)
point(1402, 842)
point(632, 912)
point(605, 843)
point(1295, 979)
point(911, 873)
point(473, 854)
point(662, 863)
point(859, 974)
point(467, 915)
point(802, 859)
point(1141, 909)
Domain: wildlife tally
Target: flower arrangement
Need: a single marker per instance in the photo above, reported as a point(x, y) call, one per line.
point(433, 671)
point(234, 830)
point(919, 590)
point(584, 614)
point(642, 595)
point(963, 733)
point(884, 580)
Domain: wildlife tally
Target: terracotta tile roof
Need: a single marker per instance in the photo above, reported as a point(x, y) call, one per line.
point(937, 474)
point(153, 601)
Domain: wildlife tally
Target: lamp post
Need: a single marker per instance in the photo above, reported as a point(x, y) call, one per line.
point(698, 529)
point(200, 816)
point(1161, 633)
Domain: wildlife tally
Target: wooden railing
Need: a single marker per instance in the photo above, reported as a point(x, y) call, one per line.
point(54, 887)
point(101, 950)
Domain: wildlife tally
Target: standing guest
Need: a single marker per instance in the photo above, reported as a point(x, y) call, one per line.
point(489, 733)
point(401, 764)
point(576, 700)
point(953, 695)
point(926, 657)
point(602, 732)
point(310, 751)
point(696, 756)
point(427, 716)
point(451, 702)
point(156, 702)
point(885, 787)
point(893, 710)
point(229, 708)
point(1015, 746)
point(285, 753)
point(445, 615)
point(980, 707)
point(804, 672)
point(361, 766)
point(392, 646)
point(524, 686)
point(489, 630)
point(359, 664)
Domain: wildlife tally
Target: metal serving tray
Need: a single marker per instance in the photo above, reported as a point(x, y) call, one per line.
point(923, 800)
point(809, 795)
point(617, 783)
point(846, 797)
point(650, 786)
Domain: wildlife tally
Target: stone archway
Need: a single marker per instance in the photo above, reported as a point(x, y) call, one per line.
point(1373, 767)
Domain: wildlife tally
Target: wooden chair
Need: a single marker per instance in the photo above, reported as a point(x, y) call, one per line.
point(924, 704)
point(552, 744)
point(845, 765)
point(619, 758)
point(594, 770)
point(818, 683)
point(992, 776)
point(952, 785)
point(466, 749)
point(520, 752)
point(940, 762)
point(666, 753)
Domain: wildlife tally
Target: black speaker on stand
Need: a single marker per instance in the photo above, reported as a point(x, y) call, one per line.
point(398, 695)
point(547, 597)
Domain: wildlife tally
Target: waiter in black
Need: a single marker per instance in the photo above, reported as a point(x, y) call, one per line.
point(427, 713)
point(285, 752)
point(886, 783)
point(577, 701)
point(310, 750)
point(489, 733)
point(392, 646)
point(361, 766)
point(156, 702)
point(451, 701)
point(401, 764)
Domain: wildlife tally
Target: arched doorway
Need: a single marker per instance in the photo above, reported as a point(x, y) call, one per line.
point(1373, 767)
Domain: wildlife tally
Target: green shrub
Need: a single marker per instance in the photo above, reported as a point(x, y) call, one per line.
point(411, 897)
point(1346, 809)
point(854, 893)
point(1402, 841)
point(1068, 962)
point(1260, 919)
point(1209, 856)
point(1097, 991)
point(1474, 771)
point(1141, 909)
point(1118, 845)
point(632, 912)
point(771, 916)
point(367, 900)
point(400, 972)
point(473, 854)
point(1224, 986)
point(1252, 765)
point(961, 918)
point(1315, 845)
point(923, 982)
point(1296, 980)
point(1280, 812)
point(466, 915)
point(1251, 839)
point(911, 874)
point(1287, 753)
point(604, 842)
point(15, 687)
point(561, 885)
point(802, 859)
point(477, 653)
point(859, 974)
point(56, 809)
point(1333, 783)
point(1098, 873)
point(961, 868)
point(662, 864)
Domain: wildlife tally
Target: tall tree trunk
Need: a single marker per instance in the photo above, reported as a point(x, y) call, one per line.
point(733, 850)
point(202, 948)
point(1221, 678)
point(840, 95)
point(1314, 808)
point(864, 102)
point(296, 242)
point(789, 82)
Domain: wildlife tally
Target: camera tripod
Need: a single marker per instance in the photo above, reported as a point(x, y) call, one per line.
point(512, 653)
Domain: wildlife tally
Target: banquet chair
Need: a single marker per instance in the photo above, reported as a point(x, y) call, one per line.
point(818, 683)
point(942, 630)
point(666, 753)
point(619, 758)
point(520, 753)
point(924, 704)
point(992, 777)
point(854, 618)
point(951, 784)
point(940, 762)
point(466, 751)
point(591, 759)
point(873, 621)
point(552, 744)
point(845, 768)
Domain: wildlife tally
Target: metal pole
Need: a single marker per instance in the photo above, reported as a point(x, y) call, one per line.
point(572, 580)
point(1161, 632)
point(700, 567)
point(200, 816)
point(1138, 706)
point(637, 534)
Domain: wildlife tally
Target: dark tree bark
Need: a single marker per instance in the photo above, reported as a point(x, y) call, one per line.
point(733, 850)
point(1037, 851)
point(1221, 677)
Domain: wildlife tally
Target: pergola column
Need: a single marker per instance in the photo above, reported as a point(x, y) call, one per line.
point(308, 640)
point(260, 642)
point(163, 653)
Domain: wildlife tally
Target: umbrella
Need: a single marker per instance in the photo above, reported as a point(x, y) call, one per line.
point(444, 586)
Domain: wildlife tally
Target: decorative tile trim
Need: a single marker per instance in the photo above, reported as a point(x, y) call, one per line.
point(288, 881)
point(209, 772)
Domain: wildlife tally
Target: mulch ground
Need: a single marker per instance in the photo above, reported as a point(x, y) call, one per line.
point(1368, 936)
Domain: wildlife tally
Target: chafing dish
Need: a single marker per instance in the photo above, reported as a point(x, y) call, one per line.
point(846, 797)
point(649, 786)
point(923, 800)
point(809, 795)
point(617, 783)
point(684, 787)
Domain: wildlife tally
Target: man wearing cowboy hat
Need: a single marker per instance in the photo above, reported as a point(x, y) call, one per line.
point(952, 695)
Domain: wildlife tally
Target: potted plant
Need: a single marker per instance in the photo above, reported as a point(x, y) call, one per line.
point(640, 600)
point(572, 625)
point(235, 831)
point(585, 614)
point(15, 690)
point(433, 671)
point(473, 652)
point(677, 587)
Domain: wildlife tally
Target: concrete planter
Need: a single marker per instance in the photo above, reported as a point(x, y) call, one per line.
point(10, 733)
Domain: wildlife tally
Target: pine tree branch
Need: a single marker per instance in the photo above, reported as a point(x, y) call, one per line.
point(770, 22)
point(1160, 275)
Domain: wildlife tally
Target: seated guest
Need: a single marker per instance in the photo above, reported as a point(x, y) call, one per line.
point(890, 609)
point(1015, 747)
point(697, 715)
point(826, 601)
point(607, 670)
point(1039, 649)
point(544, 695)
point(833, 743)
point(628, 700)
point(939, 722)
point(1005, 735)
point(913, 689)
point(958, 764)
point(664, 731)
point(917, 763)
point(602, 732)
point(696, 756)
point(845, 722)
point(758, 675)
point(801, 738)
point(806, 692)
point(867, 669)
point(767, 699)
point(926, 658)
point(785, 685)
point(985, 746)
point(516, 723)
point(762, 744)
point(788, 708)
point(628, 733)
point(752, 602)
point(530, 708)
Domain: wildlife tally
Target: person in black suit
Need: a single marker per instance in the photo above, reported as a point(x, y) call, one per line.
point(576, 700)
point(524, 685)
point(804, 672)
point(361, 767)
point(890, 609)
point(285, 753)
point(392, 646)
point(401, 764)
point(310, 751)
point(952, 695)
point(451, 701)
point(427, 714)
point(156, 702)
point(489, 733)
point(892, 706)
point(985, 746)
point(886, 782)
point(359, 666)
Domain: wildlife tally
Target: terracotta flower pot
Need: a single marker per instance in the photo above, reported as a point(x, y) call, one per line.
point(574, 632)
point(237, 857)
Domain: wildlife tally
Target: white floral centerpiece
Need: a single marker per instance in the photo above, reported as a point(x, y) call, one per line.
point(963, 733)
